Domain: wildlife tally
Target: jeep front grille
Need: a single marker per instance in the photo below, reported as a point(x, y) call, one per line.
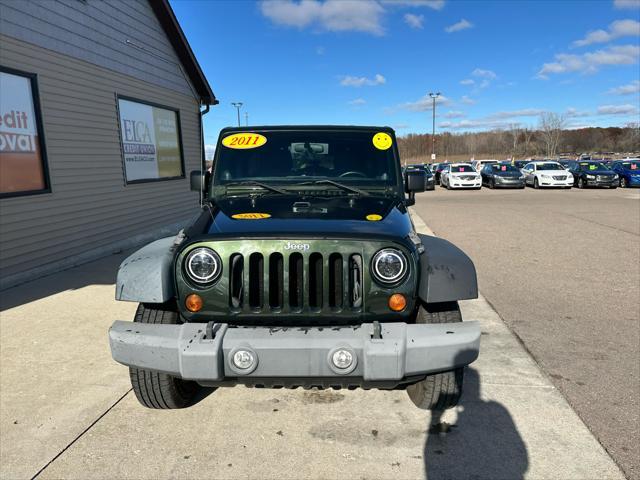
point(295, 282)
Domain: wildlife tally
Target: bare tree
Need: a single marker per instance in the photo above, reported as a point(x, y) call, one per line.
point(551, 126)
point(514, 130)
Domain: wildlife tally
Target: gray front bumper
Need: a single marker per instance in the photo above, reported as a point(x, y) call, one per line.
point(404, 350)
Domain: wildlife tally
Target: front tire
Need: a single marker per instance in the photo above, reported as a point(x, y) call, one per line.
point(536, 185)
point(581, 183)
point(438, 391)
point(159, 390)
point(623, 182)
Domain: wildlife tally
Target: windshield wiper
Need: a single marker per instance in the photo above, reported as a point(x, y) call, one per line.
point(336, 184)
point(254, 183)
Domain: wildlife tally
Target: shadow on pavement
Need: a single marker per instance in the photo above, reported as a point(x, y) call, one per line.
point(484, 443)
point(98, 272)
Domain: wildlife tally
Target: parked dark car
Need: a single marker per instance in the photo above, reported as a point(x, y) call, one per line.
point(428, 176)
point(438, 172)
point(503, 175)
point(628, 172)
point(593, 174)
point(519, 164)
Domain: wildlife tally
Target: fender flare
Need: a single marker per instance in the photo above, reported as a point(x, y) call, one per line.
point(146, 276)
point(447, 274)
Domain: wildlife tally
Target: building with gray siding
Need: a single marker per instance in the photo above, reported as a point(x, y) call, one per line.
point(100, 125)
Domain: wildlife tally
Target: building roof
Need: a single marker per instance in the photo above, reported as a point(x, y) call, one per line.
point(176, 36)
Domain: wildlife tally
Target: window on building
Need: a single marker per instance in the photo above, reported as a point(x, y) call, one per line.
point(151, 143)
point(23, 165)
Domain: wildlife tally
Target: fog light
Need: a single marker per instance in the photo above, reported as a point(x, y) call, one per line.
point(342, 359)
point(193, 303)
point(397, 302)
point(243, 359)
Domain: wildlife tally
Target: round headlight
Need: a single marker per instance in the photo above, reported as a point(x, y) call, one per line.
point(203, 265)
point(389, 266)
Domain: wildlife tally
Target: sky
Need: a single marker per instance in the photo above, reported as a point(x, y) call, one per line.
point(374, 62)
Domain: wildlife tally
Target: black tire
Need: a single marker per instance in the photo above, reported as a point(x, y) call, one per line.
point(492, 184)
point(438, 391)
point(159, 390)
point(581, 183)
point(535, 183)
point(623, 182)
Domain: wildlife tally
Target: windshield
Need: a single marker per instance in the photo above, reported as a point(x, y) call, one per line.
point(550, 166)
point(462, 168)
point(635, 166)
point(354, 157)
point(593, 166)
point(503, 168)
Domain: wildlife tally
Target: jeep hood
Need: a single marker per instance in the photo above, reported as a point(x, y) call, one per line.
point(309, 216)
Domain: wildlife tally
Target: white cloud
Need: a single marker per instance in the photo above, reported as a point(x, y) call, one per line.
point(350, 81)
point(617, 29)
point(487, 74)
point(591, 62)
point(473, 124)
point(414, 21)
point(329, 15)
point(626, 109)
point(454, 114)
point(467, 81)
point(357, 102)
point(467, 101)
point(458, 26)
point(622, 4)
point(629, 89)
point(400, 126)
point(209, 151)
point(525, 112)
point(424, 104)
point(433, 4)
point(574, 113)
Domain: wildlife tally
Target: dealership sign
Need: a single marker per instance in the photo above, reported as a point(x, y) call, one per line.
point(150, 141)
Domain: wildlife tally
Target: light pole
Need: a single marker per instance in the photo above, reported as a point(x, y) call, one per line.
point(433, 132)
point(238, 105)
point(246, 118)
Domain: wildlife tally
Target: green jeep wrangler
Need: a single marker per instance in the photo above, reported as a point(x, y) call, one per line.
point(302, 270)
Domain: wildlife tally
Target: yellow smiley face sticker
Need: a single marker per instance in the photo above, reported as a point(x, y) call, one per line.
point(250, 216)
point(382, 141)
point(374, 217)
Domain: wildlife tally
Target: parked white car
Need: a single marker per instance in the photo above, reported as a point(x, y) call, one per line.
point(547, 174)
point(461, 175)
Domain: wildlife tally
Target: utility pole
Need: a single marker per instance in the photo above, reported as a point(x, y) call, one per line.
point(246, 118)
point(238, 105)
point(433, 131)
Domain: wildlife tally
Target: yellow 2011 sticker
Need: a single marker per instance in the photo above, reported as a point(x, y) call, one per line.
point(244, 140)
point(374, 217)
point(382, 141)
point(250, 216)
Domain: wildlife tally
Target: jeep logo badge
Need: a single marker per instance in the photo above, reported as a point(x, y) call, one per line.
point(297, 246)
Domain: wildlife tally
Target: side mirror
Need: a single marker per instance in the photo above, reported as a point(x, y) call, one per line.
point(196, 178)
point(414, 181)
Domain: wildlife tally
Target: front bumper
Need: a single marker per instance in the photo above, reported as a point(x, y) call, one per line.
point(551, 182)
point(465, 183)
point(295, 355)
point(510, 183)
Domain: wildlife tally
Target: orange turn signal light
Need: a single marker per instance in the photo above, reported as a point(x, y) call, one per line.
point(193, 303)
point(397, 302)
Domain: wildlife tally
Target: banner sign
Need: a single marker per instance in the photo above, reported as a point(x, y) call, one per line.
point(21, 166)
point(150, 141)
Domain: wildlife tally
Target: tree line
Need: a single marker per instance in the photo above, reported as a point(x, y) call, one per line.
point(550, 139)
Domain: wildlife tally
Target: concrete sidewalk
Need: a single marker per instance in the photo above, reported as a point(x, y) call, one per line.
point(61, 399)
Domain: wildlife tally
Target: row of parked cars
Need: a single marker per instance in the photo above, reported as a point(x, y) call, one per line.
point(537, 173)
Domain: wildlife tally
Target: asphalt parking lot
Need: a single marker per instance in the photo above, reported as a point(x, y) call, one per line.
point(562, 268)
point(67, 410)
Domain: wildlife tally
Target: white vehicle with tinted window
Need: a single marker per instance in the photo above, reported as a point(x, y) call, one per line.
point(547, 174)
point(461, 175)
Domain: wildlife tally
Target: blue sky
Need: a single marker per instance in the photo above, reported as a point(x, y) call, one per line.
point(374, 62)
